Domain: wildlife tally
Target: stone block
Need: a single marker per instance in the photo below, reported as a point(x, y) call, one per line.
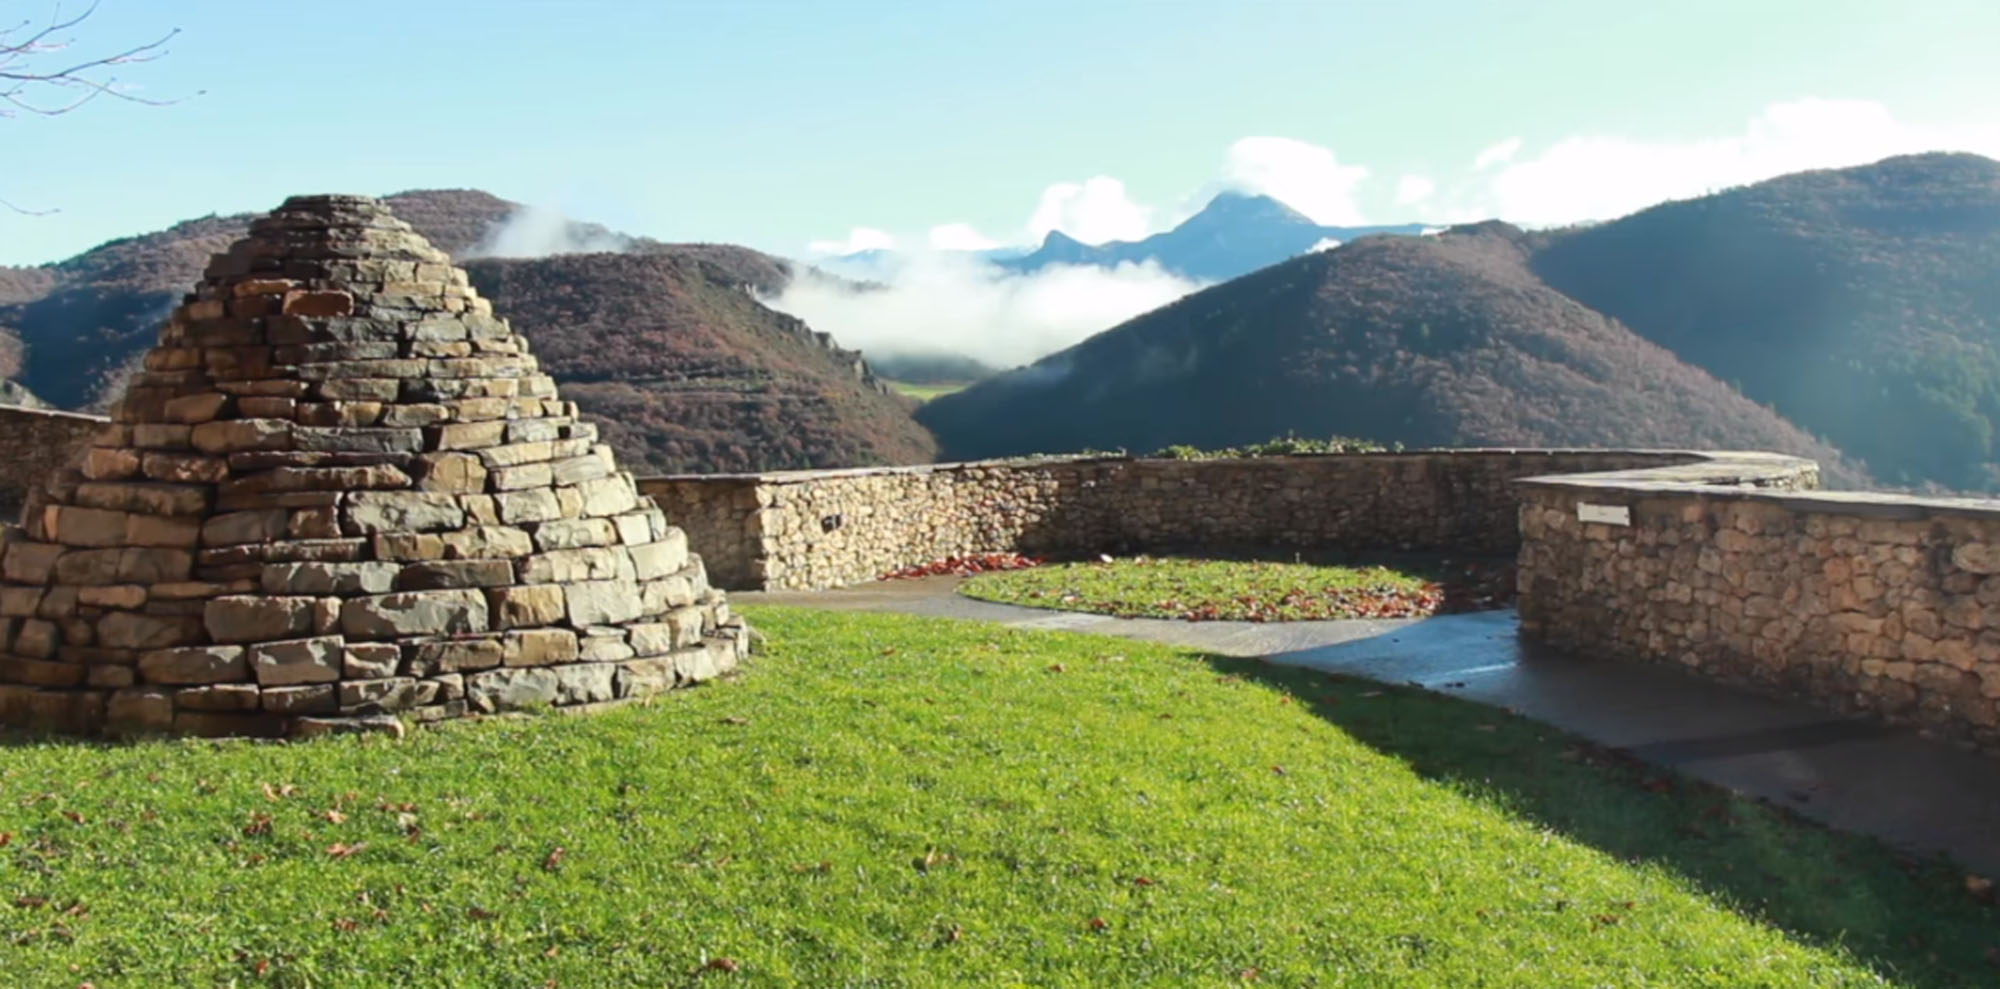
point(258, 618)
point(109, 676)
point(37, 638)
point(584, 683)
point(237, 528)
point(604, 644)
point(527, 605)
point(487, 542)
point(402, 511)
point(311, 698)
point(601, 602)
point(196, 408)
point(587, 563)
point(415, 613)
point(28, 562)
point(294, 661)
point(532, 505)
point(372, 724)
point(139, 711)
point(523, 476)
point(73, 526)
point(194, 665)
point(436, 574)
point(451, 472)
point(358, 577)
point(469, 435)
point(511, 689)
point(163, 530)
point(436, 656)
point(375, 696)
point(218, 697)
point(539, 647)
point(133, 630)
point(575, 534)
point(650, 638)
point(644, 677)
point(371, 660)
point(105, 463)
point(663, 558)
point(237, 435)
point(606, 496)
point(40, 672)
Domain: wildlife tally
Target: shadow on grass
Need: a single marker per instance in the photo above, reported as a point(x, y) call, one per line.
point(1912, 919)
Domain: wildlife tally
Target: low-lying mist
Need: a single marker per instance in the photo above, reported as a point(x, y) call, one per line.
point(932, 303)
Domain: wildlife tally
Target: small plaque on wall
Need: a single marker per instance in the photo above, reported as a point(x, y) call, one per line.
point(1607, 514)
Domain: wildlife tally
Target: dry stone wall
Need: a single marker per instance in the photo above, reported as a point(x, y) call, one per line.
point(35, 443)
point(342, 493)
point(819, 529)
point(1867, 603)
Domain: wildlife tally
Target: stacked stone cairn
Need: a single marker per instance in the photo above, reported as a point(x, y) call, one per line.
point(341, 495)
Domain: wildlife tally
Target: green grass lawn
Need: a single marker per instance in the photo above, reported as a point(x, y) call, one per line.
point(882, 800)
point(926, 392)
point(1241, 590)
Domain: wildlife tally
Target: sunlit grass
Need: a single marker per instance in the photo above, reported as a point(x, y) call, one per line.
point(882, 800)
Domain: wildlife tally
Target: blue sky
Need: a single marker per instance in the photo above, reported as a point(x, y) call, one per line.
point(777, 124)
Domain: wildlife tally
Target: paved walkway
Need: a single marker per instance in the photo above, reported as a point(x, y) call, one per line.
point(1851, 774)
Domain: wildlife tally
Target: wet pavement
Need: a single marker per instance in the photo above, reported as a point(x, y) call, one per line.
point(1852, 774)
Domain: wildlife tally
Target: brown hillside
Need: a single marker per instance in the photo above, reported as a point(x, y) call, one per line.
point(1426, 341)
point(667, 346)
point(685, 372)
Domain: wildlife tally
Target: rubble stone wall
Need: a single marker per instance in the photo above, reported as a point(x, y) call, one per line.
point(1864, 603)
point(35, 443)
point(803, 530)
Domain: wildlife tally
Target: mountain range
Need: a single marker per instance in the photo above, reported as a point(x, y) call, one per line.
point(1234, 234)
point(1849, 315)
point(1852, 315)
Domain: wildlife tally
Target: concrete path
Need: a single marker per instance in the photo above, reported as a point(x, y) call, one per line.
point(1851, 774)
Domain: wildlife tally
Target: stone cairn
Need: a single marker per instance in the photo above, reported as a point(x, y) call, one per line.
point(340, 494)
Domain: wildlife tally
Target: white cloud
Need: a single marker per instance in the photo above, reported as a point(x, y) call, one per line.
point(1413, 189)
point(858, 239)
point(1596, 177)
point(1306, 177)
point(1323, 244)
point(1498, 154)
point(1093, 211)
point(539, 232)
point(959, 237)
point(939, 302)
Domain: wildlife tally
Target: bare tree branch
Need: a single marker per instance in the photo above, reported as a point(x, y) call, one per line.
point(31, 83)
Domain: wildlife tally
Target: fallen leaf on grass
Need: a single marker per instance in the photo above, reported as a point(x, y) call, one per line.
point(1142, 881)
point(723, 965)
point(1056, 667)
point(480, 913)
point(554, 860)
point(1098, 923)
point(341, 849)
point(276, 793)
point(1980, 887)
point(260, 824)
point(735, 720)
point(335, 817)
